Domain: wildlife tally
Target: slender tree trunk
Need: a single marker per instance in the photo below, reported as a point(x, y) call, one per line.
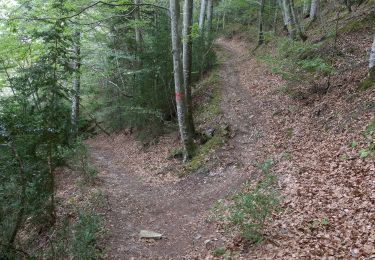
point(210, 9)
point(224, 18)
point(306, 8)
point(314, 9)
point(186, 140)
point(76, 83)
point(372, 62)
point(138, 34)
point(348, 5)
point(295, 18)
point(202, 15)
point(285, 19)
point(187, 62)
point(260, 24)
point(289, 19)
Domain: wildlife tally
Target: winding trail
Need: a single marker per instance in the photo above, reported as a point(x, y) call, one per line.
point(179, 210)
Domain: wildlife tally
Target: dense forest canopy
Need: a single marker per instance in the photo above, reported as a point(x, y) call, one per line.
point(71, 69)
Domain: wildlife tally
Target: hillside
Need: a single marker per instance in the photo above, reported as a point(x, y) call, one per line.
point(249, 136)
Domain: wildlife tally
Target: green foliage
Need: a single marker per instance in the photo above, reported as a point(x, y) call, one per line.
point(220, 251)
point(296, 61)
point(354, 144)
point(207, 113)
point(355, 25)
point(318, 223)
point(77, 157)
point(75, 239)
point(86, 231)
point(366, 84)
point(370, 128)
point(251, 208)
point(315, 65)
point(368, 150)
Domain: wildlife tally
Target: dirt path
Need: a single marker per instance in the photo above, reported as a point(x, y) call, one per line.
point(178, 209)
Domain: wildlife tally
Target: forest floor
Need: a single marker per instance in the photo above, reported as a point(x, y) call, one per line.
point(320, 175)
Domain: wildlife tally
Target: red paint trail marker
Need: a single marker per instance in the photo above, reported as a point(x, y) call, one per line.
point(179, 96)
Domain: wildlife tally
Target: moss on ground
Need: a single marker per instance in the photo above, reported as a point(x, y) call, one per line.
point(206, 116)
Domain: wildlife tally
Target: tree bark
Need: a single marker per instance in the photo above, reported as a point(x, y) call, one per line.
point(202, 15)
point(348, 5)
point(138, 34)
point(296, 21)
point(210, 8)
point(285, 20)
point(306, 8)
point(76, 87)
point(372, 62)
point(187, 62)
point(314, 9)
point(260, 24)
point(289, 19)
point(186, 140)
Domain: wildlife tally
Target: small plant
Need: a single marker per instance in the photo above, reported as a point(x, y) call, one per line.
point(78, 158)
point(318, 223)
point(354, 144)
point(220, 251)
point(86, 231)
point(315, 65)
point(250, 210)
point(286, 155)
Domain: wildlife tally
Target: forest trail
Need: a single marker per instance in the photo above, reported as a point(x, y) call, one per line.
point(179, 209)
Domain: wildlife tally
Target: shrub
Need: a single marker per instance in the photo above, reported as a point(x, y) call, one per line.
point(251, 209)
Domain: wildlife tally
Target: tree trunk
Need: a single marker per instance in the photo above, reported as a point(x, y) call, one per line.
point(348, 4)
point(202, 15)
point(314, 9)
point(187, 62)
point(187, 143)
point(260, 25)
point(210, 8)
point(372, 62)
point(289, 19)
point(295, 18)
point(285, 19)
point(76, 83)
point(138, 34)
point(306, 8)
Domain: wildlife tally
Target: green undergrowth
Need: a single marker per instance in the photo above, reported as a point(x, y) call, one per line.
point(207, 93)
point(77, 158)
point(78, 234)
point(78, 228)
point(369, 149)
point(248, 211)
point(355, 25)
point(295, 60)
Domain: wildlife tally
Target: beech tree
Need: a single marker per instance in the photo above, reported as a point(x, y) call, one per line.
point(296, 21)
point(260, 23)
point(314, 9)
point(138, 34)
point(210, 11)
point(291, 26)
point(372, 62)
point(76, 82)
point(306, 8)
point(186, 140)
point(202, 15)
point(187, 45)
